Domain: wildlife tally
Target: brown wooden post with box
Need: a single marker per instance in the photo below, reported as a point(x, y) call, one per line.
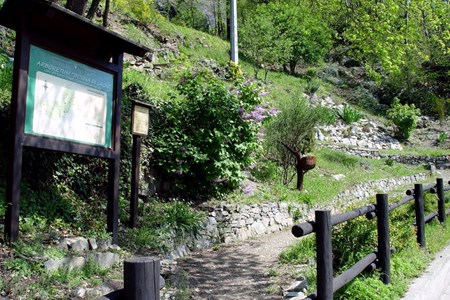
point(139, 128)
point(66, 95)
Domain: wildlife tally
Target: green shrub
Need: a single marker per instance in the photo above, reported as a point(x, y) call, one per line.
point(349, 114)
point(311, 73)
point(441, 107)
point(405, 117)
point(160, 224)
point(295, 126)
point(352, 241)
point(389, 162)
point(312, 86)
point(442, 137)
point(327, 115)
point(235, 71)
point(204, 139)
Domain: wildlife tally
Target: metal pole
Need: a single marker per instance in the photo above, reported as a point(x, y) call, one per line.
point(441, 199)
point(234, 32)
point(420, 218)
point(384, 250)
point(324, 255)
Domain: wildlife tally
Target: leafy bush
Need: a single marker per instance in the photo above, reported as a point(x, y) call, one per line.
point(352, 241)
point(311, 73)
point(295, 126)
point(349, 114)
point(405, 117)
point(204, 140)
point(235, 71)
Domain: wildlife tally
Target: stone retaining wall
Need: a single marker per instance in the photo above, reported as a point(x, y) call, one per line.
point(440, 162)
point(237, 222)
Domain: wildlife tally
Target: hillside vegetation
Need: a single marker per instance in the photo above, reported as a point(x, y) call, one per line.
point(214, 132)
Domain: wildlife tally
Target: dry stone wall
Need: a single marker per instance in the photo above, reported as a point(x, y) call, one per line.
point(440, 162)
point(227, 223)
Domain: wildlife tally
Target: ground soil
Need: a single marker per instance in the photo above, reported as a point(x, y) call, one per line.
point(248, 270)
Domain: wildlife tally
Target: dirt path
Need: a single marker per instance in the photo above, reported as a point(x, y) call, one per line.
point(239, 271)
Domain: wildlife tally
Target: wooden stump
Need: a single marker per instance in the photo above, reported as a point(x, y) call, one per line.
point(141, 278)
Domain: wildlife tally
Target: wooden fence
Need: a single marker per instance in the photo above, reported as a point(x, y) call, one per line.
point(324, 221)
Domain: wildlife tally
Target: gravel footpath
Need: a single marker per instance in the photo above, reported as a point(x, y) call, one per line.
point(237, 271)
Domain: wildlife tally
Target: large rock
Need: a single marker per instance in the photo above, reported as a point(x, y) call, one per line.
point(68, 263)
point(105, 260)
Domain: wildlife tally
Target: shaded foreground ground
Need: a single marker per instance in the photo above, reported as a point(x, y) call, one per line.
point(239, 271)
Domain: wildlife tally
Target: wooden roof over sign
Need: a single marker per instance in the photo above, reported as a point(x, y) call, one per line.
point(56, 23)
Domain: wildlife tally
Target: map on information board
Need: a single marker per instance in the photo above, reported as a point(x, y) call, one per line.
point(68, 100)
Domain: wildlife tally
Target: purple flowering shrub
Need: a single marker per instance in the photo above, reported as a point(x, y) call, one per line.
point(204, 139)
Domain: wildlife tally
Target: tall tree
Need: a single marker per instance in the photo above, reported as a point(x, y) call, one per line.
point(304, 26)
point(262, 42)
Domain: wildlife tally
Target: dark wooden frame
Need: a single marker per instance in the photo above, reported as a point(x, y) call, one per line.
point(51, 27)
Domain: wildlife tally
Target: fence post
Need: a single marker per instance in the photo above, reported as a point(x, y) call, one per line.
point(441, 199)
point(420, 218)
point(384, 249)
point(324, 255)
point(141, 278)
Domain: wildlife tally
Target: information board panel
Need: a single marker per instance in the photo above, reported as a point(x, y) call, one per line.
point(140, 120)
point(68, 100)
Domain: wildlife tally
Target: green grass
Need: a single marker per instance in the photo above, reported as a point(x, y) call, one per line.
point(157, 89)
point(418, 151)
point(319, 186)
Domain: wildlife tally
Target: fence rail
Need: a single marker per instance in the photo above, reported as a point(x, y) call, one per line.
point(324, 221)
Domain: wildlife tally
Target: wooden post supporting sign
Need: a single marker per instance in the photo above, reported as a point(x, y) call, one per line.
point(139, 128)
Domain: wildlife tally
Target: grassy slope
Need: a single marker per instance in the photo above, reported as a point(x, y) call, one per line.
point(196, 46)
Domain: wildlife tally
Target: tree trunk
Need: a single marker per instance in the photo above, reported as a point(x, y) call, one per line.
point(106, 13)
point(302, 164)
point(93, 9)
point(77, 6)
point(292, 66)
point(300, 177)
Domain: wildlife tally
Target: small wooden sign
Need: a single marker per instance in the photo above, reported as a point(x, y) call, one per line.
point(140, 118)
